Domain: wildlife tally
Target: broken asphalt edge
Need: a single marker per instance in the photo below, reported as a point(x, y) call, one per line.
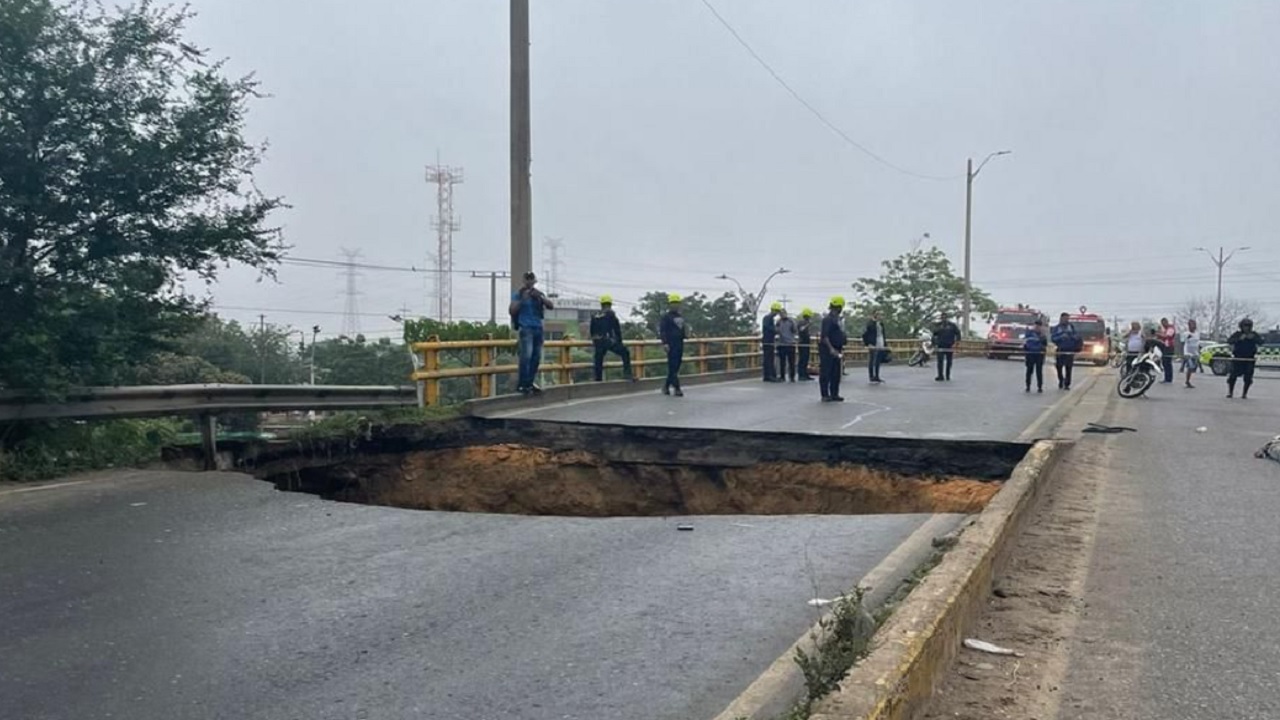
point(556, 394)
point(921, 639)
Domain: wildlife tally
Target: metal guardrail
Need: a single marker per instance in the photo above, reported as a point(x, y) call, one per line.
point(701, 355)
point(160, 400)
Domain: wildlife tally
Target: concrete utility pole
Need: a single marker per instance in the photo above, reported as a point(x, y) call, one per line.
point(521, 193)
point(970, 174)
point(493, 277)
point(262, 349)
point(1221, 260)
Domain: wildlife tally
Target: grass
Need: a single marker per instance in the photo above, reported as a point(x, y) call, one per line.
point(843, 637)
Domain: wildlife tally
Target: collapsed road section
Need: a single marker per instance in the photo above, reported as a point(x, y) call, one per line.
point(548, 468)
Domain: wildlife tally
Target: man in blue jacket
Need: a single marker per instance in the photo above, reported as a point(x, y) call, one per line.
point(1034, 345)
point(527, 308)
point(1068, 342)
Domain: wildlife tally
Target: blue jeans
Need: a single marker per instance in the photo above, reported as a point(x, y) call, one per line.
point(530, 356)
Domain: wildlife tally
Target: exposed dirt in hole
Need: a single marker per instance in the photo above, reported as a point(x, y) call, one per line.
point(536, 481)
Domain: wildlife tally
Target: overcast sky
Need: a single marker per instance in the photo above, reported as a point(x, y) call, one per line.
point(664, 155)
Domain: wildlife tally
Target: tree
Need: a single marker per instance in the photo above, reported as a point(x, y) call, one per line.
point(725, 316)
point(345, 361)
point(123, 171)
point(1202, 310)
point(913, 289)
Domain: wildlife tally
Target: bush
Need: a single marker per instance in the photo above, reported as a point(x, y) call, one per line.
point(38, 451)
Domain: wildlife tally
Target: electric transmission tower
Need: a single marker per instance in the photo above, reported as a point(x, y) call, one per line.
point(445, 223)
point(351, 310)
point(551, 266)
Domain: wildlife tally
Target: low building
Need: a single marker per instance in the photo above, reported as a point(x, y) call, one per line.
point(570, 318)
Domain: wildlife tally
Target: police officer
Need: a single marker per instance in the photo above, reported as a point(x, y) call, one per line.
point(804, 338)
point(1068, 343)
point(672, 333)
point(831, 344)
point(768, 344)
point(1034, 346)
point(606, 336)
point(1244, 356)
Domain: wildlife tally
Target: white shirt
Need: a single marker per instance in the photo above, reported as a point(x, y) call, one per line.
point(1136, 343)
point(1191, 344)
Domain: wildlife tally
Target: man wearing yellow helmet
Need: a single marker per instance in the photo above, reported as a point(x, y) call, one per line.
point(804, 339)
point(769, 343)
point(606, 337)
point(672, 332)
point(831, 351)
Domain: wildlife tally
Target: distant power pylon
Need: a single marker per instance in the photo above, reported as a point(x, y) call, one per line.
point(445, 223)
point(552, 264)
point(351, 309)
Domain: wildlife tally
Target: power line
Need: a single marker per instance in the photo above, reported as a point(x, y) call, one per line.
point(821, 118)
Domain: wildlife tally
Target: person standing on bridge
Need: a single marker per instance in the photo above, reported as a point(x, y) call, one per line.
point(527, 309)
point(1034, 346)
point(1244, 355)
point(945, 336)
point(831, 344)
point(873, 338)
point(805, 338)
point(1168, 336)
point(1068, 342)
point(672, 332)
point(786, 328)
point(606, 337)
point(769, 342)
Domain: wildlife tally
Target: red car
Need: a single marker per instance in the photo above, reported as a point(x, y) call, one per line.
point(1092, 329)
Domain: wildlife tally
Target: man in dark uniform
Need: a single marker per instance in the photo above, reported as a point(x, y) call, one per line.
point(672, 333)
point(945, 337)
point(805, 339)
point(1244, 356)
point(768, 344)
point(1068, 343)
point(831, 343)
point(606, 337)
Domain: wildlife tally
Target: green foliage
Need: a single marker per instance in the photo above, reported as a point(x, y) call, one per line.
point(353, 425)
point(122, 170)
point(52, 449)
point(422, 329)
point(913, 289)
point(359, 362)
point(724, 316)
point(841, 639)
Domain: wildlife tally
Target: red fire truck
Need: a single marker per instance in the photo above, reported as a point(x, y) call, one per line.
point(1093, 331)
point(1009, 328)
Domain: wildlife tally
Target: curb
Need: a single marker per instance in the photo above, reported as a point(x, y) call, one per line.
point(921, 639)
point(555, 395)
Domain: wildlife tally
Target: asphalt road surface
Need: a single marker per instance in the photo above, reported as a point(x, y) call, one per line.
point(1180, 621)
point(171, 596)
point(984, 401)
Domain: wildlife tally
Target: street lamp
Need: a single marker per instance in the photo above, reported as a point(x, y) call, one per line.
point(1221, 260)
point(753, 301)
point(970, 174)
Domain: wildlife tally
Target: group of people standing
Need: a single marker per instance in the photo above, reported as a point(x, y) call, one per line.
point(1244, 345)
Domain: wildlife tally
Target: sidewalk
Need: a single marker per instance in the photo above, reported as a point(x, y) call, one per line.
point(1147, 586)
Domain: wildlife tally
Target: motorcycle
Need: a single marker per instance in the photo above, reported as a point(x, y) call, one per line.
point(921, 356)
point(1137, 378)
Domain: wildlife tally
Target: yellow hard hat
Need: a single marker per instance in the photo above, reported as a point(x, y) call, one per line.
point(606, 299)
point(806, 312)
point(837, 301)
point(673, 298)
point(776, 306)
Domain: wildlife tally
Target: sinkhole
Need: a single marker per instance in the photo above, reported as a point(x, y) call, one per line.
point(585, 470)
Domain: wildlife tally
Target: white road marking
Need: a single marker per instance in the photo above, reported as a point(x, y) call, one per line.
point(43, 487)
point(878, 409)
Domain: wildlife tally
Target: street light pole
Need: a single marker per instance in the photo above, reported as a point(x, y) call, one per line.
point(970, 174)
point(1221, 261)
point(753, 301)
